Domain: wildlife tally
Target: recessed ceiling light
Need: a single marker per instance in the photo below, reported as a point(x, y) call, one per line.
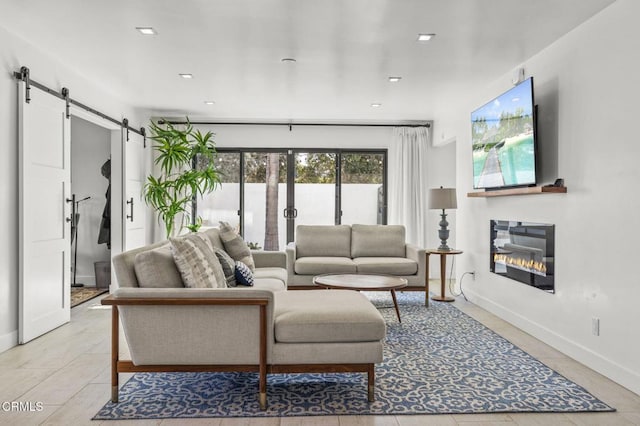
point(425, 37)
point(186, 76)
point(209, 102)
point(146, 30)
point(376, 105)
point(288, 60)
point(395, 79)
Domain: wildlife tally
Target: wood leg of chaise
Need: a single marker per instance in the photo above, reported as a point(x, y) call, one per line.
point(115, 350)
point(371, 382)
point(263, 401)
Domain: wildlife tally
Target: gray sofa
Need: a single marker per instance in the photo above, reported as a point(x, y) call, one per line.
point(263, 329)
point(355, 249)
point(152, 266)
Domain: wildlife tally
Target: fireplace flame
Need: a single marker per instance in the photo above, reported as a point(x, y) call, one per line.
point(532, 266)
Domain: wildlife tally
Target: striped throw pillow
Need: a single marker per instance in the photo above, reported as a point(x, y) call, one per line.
point(198, 265)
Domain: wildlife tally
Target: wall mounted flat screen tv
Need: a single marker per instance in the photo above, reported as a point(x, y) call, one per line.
point(503, 134)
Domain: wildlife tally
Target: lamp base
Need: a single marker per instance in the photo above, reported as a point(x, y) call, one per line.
point(77, 285)
point(443, 232)
point(443, 299)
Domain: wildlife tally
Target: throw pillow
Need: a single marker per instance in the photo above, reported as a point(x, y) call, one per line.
point(244, 276)
point(228, 266)
point(235, 245)
point(198, 265)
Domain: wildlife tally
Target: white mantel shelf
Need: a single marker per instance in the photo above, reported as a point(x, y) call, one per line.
point(519, 191)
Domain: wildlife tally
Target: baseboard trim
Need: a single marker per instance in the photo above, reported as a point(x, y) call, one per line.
point(612, 370)
point(8, 341)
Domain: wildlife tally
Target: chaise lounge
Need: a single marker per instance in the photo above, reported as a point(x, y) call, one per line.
point(263, 329)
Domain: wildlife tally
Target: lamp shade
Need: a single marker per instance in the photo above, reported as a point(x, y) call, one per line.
point(442, 198)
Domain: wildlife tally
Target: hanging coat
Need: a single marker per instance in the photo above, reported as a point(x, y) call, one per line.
point(104, 236)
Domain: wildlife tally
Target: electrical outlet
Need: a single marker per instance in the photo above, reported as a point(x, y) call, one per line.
point(595, 326)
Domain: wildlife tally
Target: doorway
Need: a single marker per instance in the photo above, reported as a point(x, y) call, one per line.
point(90, 188)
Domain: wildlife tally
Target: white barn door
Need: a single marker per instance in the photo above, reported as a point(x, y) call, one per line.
point(135, 214)
point(44, 210)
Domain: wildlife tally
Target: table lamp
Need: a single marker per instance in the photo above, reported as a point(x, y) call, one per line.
point(442, 199)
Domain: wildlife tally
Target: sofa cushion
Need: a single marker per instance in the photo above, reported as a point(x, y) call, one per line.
point(198, 265)
point(228, 266)
point(386, 265)
point(272, 284)
point(324, 265)
point(323, 240)
point(156, 269)
point(235, 245)
point(377, 241)
point(214, 237)
point(312, 316)
point(271, 272)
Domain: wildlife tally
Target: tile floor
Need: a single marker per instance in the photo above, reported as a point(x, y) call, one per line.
point(67, 370)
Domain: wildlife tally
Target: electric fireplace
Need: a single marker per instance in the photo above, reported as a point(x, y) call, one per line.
point(523, 251)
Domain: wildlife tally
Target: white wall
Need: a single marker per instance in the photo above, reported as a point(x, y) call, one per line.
point(45, 69)
point(587, 93)
point(301, 136)
point(90, 148)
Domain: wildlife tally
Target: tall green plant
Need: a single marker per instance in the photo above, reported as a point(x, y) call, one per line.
point(187, 169)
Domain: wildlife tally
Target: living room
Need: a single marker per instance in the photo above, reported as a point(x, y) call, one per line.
point(586, 104)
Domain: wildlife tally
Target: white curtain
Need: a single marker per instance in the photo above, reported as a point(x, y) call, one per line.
point(408, 186)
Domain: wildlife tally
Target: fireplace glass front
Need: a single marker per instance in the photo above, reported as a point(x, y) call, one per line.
point(523, 251)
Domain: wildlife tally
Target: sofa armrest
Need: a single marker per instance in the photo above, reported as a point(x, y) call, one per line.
point(269, 259)
point(119, 296)
point(416, 253)
point(291, 260)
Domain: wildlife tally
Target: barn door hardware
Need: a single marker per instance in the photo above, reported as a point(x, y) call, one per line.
point(67, 101)
point(125, 124)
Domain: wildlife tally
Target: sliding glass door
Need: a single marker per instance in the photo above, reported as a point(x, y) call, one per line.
point(265, 194)
point(315, 188)
point(362, 188)
point(224, 203)
point(265, 190)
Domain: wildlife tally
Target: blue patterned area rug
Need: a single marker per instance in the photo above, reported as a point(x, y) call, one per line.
point(437, 361)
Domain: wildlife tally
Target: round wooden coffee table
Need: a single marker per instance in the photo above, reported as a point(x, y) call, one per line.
point(363, 282)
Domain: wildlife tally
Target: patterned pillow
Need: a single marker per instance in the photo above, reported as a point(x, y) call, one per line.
point(244, 276)
point(198, 265)
point(235, 246)
point(228, 266)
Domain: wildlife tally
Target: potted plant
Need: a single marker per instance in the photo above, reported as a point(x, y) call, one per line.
point(186, 169)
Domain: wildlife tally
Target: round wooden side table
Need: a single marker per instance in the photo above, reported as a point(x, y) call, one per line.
point(443, 273)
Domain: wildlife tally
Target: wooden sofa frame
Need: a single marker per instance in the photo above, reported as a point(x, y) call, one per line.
point(262, 368)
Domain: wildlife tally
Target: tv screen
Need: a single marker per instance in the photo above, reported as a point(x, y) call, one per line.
point(503, 137)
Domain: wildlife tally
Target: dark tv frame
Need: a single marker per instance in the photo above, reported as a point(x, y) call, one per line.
point(536, 156)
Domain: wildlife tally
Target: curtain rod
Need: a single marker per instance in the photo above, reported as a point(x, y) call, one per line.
point(24, 75)
point(293, 123)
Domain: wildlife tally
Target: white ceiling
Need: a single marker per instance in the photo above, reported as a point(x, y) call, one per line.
point(345, 51)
